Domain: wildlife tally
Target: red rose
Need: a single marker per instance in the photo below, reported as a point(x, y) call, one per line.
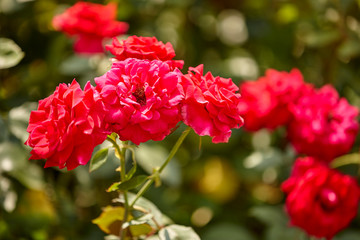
point(142, 98)
point(323, 125)
point(320, 200)
point(67, 126)
point(144, 48)
point(211, 103)
point(91, 23)
point(264, 103)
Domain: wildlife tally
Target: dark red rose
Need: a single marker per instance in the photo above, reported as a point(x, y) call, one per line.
point(320, 200)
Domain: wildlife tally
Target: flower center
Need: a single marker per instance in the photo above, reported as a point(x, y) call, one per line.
point(328, 199)
point(330, 117)
point(139, 95)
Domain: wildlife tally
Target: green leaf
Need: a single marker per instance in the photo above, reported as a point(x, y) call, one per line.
point(110, 219)
point(138, 227)
point(98, 159)
point(178, 232)
point(127, 185)
point(147, 205)
point(10, 53)
point(353, 158)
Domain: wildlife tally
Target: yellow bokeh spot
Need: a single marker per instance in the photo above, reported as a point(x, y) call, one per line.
point(287, 13)
point(219, 181)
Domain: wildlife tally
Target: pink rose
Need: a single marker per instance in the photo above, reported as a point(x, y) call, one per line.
point(323, 125)
point(144, 48)
point(67, 126)
point(320, 200)
point(142, 98)
point(210, 105)
point(264, 103)
point(91, 23)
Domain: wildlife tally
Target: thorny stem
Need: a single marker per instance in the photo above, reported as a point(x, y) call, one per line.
point(173, 151)
point(121, 154)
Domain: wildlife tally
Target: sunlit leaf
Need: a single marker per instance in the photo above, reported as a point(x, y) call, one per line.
point(110, 219)
point(129, 184)
point(138, 227)
point(10, 53)
point(145, 204)
point(353, 158)
point(178, 232)
point(98, 159)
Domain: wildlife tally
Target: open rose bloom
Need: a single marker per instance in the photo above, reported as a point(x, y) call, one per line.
point(142, 98)
point(323, 125)
point(90, 23)
point(320, 200)
point(67, 126)
point(210, 105)
point(265, 102)
point(144, 48)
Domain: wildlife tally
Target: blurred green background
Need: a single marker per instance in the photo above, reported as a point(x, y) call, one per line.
point(224, 191)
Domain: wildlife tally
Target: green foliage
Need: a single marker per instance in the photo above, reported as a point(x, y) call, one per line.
point(129, 184)
point(98, 159)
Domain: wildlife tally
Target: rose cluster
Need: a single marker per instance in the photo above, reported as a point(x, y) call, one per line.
point(145, 95)
point(142, 97)
point(318, 122)
point(319, 125)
